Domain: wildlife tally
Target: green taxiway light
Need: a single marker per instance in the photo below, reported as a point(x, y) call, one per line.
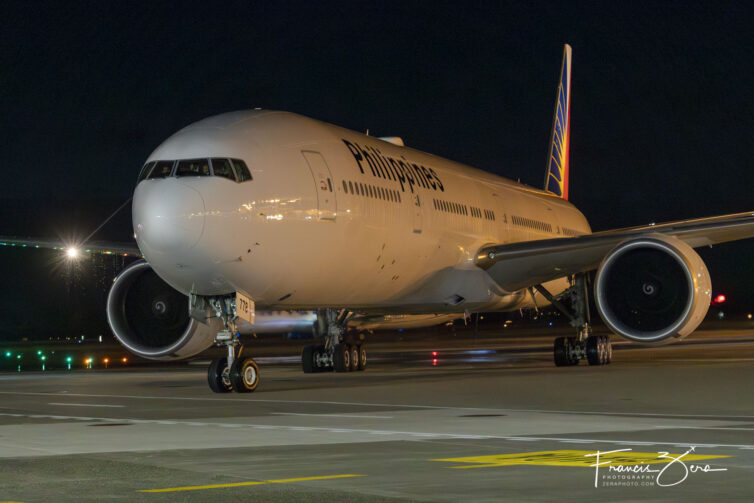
point(18, 357)
point(44, 357)
point(69, 359)
point(39, 352)
point(8, 354)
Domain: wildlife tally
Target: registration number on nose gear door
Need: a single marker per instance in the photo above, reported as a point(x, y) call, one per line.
point(244, 307)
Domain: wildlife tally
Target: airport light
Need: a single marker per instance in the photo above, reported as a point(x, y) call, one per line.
point(39, 352)
point(124, 360)
point(8, 354)
point(719, 299)
point(72, 252)
point(748, 316)
point(69, 360)
point(106, 361)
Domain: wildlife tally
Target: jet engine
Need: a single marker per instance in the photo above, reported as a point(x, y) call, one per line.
point(653, 289)
point(151, 318)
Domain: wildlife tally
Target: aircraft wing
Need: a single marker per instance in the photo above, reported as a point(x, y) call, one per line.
point(521, 265)
point(101, 247)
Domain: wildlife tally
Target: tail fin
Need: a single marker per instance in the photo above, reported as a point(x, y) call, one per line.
point(556, 176)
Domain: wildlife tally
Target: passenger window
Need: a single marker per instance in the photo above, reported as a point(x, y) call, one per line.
point(193, 167)
point(241, 170)
point(350, 186)
point(345, 187)
point(222, 167)
point(161, 169)
point(145, 171)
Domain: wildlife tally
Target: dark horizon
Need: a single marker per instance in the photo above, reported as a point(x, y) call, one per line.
point(660, 125)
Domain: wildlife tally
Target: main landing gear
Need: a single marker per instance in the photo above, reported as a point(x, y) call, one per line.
point(339, 352)
point(233, 372)
point(568, 351)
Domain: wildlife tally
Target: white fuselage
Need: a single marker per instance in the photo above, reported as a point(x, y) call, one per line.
point(335, 218)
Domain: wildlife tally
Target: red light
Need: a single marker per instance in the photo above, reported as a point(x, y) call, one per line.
point(434, 354)
point(719, 299)
point(434, 362)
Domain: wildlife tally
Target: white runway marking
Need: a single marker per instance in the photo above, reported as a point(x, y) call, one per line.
point(355, 415)
point(83, 404)
point(703, 428)
point(362, 431)
point(395, 405)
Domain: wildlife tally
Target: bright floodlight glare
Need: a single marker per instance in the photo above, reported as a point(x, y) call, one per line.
point(72, 252)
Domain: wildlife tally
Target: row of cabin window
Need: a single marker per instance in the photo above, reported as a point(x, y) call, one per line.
point(462, 209)
point(232, 169)
point(570, 232)
point(450, 207)
point(373, 191)
point(531, 223)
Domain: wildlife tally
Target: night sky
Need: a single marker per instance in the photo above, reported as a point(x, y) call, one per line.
point(661, 120)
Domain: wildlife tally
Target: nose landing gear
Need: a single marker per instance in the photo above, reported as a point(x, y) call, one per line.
point(232, 372)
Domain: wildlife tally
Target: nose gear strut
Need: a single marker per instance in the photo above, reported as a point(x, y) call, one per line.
point(232, 372)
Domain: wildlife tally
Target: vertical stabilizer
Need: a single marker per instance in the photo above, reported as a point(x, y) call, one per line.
point(556, 176)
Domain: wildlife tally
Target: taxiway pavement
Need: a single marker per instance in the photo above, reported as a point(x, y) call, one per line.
point(488, 424)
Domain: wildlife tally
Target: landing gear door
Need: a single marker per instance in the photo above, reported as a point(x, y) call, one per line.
point(324, 185)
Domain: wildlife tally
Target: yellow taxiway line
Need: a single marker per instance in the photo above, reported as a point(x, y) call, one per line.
point(243, 484)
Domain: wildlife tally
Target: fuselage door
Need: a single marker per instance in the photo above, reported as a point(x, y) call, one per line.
point(324, 185)
point(417, 211)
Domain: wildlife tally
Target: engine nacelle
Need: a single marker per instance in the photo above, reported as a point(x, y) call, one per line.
point(653, 289)
point(151, 318)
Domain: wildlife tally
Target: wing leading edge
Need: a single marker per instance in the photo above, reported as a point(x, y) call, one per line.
point(520, 265)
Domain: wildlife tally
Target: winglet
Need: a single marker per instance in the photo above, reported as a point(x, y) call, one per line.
point(556, 176)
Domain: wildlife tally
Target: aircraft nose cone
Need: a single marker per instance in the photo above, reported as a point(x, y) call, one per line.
point(168, 215)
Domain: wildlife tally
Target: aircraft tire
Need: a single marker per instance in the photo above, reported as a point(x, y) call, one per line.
point(307, 360)
point(244, 375)
point(362, 357)
point(596, 350)
point(561, 353)
point(341, 358)
point(217, 382)
point(354, 349)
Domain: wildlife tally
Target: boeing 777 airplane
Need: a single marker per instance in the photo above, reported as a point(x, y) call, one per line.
point(264, 210)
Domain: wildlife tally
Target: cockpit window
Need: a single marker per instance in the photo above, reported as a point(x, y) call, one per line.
point(222, 167)
point(193, 167)
point(241, 170)
point(145, 171)
point(161, 169)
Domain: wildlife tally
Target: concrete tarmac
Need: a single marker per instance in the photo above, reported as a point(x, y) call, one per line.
point(496, 423)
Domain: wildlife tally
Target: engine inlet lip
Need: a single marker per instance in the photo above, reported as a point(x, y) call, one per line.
point(114, 303)
point(607, 314)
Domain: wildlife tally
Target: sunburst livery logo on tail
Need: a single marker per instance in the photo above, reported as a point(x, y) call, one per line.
point(556, 177)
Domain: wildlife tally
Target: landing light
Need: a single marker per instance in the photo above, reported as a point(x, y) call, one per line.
point(72, 252)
